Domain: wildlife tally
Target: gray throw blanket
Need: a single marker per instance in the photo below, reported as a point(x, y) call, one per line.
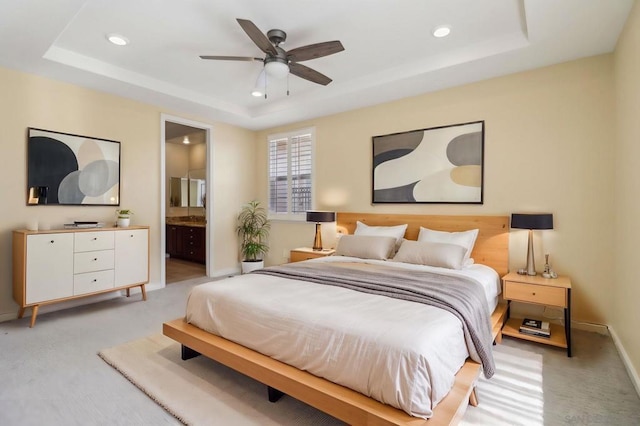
point(461, 296)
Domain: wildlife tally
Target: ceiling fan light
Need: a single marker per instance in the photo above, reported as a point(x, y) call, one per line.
point(260, 87)
point(276, 69)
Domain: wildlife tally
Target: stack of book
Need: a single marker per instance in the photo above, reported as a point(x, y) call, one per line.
point(534, 327)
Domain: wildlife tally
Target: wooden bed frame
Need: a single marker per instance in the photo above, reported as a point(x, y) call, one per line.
point(491, 248)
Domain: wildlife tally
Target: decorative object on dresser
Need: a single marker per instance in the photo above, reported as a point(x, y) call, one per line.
point(253, 230)
point(71, 169)
point(306, 253)
point(124, 217)
point(531, 221)
point(442, 164)
point(540, 291)
point(318, 217)
point(59, 265)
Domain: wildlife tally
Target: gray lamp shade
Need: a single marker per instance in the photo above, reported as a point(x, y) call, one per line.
point(317, 216)
point(532, 221)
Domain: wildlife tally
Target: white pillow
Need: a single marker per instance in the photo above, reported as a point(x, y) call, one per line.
point(366, 246)
point(465, 239)
point(443, 255)
point(396, 232)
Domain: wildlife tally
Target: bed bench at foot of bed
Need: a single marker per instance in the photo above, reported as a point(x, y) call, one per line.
point(345, 404)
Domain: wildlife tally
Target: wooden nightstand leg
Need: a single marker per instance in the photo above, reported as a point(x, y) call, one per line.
point(567, 322)
point(21, 312)
point(144, 292)
point(128, 291)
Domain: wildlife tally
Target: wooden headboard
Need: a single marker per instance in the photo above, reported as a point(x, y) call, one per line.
point(491, 247)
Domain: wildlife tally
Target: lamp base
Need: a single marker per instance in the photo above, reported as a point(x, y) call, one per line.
point(317, 241)
point(531, 261)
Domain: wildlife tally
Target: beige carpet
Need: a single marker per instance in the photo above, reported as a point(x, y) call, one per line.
point(202, 392)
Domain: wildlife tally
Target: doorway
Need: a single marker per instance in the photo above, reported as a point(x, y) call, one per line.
point(186, 215)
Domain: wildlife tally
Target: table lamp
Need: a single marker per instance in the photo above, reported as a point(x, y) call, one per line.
point(531, 222)
point(318, 217)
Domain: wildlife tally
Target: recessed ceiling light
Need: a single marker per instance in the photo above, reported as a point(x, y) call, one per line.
point(118, 39)
point(441, 31)
point(186, 140)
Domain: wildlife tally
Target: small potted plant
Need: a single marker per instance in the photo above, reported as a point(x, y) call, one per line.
point(124, 217)
point(253, 230)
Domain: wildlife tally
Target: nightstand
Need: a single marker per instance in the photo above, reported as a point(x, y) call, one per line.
point(540, 291)
point(306, 253)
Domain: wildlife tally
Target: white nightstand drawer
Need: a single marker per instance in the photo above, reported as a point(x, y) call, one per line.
point(92, 282)
point(90, 261)
point(531, 293)
point(89, 241)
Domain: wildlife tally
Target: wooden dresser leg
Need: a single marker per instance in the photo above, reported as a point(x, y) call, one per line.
point(128, 292)
point(34, 314)
point(144, 292)
point(21, 312)
point(473, 398)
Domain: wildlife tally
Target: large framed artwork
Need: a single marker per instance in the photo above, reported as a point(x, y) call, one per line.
point(71, 169)
point(437, 165)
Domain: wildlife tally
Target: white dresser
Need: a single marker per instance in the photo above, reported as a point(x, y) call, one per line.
point(53, 266)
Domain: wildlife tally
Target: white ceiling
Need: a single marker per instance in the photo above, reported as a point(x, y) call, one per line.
point(389, 50)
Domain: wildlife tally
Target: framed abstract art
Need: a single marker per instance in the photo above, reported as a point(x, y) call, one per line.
point(69, 169)
point(437, 165)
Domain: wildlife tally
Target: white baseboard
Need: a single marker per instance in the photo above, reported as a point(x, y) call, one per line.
point(589, 326)
point(633, 374)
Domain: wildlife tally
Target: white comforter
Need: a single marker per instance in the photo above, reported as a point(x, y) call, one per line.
point(402, 353)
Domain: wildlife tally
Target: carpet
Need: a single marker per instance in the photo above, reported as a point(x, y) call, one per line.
point(200, 391)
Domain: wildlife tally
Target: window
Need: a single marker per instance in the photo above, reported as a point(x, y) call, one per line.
point(291, 174)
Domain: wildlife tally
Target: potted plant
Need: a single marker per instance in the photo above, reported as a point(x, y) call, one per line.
point(253, 230)
point(124, 217)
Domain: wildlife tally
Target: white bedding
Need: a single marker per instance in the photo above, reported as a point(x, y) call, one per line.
point(402, 353)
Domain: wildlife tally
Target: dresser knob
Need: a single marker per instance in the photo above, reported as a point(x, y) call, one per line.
point(95, 238)
point(52, 241)
point(533, 294)
point(95, 280)
point(95, 258)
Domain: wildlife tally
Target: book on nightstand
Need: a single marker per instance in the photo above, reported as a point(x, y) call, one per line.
point(534, 327)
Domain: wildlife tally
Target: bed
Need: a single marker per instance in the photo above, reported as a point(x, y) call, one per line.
point(450, 391)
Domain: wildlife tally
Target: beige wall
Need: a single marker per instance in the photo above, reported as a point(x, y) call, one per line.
point(548, 147)
point(626, 296)
point(32, 101)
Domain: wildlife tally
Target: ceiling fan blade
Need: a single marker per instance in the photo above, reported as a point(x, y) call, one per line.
point(257, 36)
point(314, 51)
point(309, 74)
point(231, 58)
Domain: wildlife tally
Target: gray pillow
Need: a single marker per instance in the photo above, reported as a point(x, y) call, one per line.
point(442, 255)
point(366, 246)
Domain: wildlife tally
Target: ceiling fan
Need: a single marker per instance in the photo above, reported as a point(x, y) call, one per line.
point(278, 62)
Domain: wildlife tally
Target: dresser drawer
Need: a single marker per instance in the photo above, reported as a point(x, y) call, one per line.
point(91, 261)
point(92, 281)
point(90, 241)
point(543, 295)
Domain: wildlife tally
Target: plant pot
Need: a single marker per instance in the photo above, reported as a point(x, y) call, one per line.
point(123, 222)
point(251, 265)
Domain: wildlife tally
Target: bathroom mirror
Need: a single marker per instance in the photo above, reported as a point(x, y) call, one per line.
point(188, 191)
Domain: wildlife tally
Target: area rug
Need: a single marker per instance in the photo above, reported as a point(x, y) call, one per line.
point(202, 392)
